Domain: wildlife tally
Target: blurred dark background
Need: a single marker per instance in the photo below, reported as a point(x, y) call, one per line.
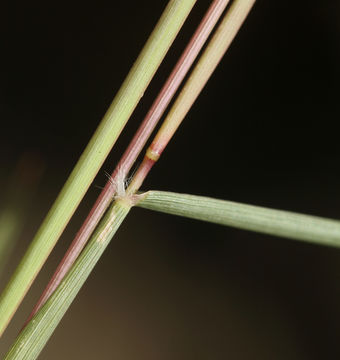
point(264, 131)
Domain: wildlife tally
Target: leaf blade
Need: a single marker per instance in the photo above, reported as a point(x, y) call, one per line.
point(281, 223)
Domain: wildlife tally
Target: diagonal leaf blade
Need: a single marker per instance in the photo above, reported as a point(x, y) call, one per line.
point(286, 224)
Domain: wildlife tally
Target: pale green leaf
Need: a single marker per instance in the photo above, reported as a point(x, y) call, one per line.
point(248, 217)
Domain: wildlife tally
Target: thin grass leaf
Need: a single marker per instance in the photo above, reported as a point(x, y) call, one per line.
point(93, 156)
point(285, 224)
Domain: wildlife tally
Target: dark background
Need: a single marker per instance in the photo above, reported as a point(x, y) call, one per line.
point(264, 131)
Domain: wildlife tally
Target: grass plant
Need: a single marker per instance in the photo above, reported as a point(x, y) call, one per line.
point(31, 335)
point(117, 199)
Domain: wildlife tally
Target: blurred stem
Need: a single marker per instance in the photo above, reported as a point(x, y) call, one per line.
point(18, 194)
point(285, 224)
point(135, 147)
point(10, 229)
point(93, 156)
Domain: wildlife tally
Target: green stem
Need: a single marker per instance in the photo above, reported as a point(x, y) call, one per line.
point(248, 217)
point(93, 156)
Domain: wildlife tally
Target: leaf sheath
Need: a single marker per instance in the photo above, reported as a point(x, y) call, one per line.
point(34, 336)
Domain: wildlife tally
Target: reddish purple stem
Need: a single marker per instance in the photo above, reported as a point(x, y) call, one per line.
point(136, 146)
